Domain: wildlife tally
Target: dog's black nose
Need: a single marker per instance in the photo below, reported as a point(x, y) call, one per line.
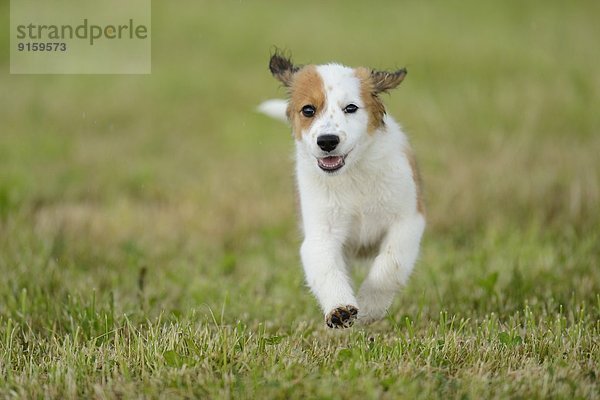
point(328, 142)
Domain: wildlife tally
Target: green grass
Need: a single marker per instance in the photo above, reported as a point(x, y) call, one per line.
point(148, 227)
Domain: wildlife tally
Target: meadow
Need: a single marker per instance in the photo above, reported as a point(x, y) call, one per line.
point(149, 230)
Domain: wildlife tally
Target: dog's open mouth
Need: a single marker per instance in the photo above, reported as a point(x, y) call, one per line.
point(331, 163)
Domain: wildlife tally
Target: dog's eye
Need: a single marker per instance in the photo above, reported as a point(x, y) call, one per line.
point(308, 111)
point(350, 108)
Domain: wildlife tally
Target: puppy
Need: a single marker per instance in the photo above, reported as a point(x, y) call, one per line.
point(358, 185)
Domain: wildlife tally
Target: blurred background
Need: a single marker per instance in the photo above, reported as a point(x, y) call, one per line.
point(172, 186)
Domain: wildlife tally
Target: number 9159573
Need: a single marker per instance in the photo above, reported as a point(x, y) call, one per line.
point(42, 46)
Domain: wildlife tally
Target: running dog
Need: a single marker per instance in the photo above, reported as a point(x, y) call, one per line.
point(358, 185)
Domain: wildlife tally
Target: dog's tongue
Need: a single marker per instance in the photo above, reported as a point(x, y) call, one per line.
point(331, 162)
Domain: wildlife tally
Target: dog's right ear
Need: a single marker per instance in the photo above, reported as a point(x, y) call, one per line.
point(282, 69)
point(385, 80)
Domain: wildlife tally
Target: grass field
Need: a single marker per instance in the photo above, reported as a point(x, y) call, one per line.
point(148, 226)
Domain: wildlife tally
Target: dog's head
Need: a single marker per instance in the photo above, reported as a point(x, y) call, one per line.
point(334, 110)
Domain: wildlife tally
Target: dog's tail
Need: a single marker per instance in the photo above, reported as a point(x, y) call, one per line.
point(274, 108)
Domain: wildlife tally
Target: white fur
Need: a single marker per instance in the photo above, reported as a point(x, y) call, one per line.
point(372, 199)
point(274, 108)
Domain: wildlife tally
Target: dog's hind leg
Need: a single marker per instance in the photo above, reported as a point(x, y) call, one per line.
point(391, 268)
point(328, 279)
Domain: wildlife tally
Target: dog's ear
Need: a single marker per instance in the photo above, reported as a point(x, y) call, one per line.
point(385, 80)
point(282, 68)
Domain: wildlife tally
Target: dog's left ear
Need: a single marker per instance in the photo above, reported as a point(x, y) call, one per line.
point(385, 80)
point(282, 69)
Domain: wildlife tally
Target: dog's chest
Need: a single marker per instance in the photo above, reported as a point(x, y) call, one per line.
point(369, 221)
point(370, 211)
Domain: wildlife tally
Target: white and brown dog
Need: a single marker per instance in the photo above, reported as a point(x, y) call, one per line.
point(358, 184)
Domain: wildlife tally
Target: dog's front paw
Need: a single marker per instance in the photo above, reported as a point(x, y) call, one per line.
point(369, 318)
point(371, 311)
point(341, 317)
point(373, 304)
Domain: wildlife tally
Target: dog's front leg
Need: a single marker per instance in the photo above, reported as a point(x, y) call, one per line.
point(391, 268)
point(328, 279)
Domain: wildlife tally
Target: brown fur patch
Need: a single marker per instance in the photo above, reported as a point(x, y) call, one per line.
point(373, 103)
point(307, 88)
point(417, 179)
